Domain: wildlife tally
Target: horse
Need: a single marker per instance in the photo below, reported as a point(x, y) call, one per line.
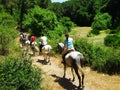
point(46, 51)
point(34, 47)
point(74, 60)
point(23, 39)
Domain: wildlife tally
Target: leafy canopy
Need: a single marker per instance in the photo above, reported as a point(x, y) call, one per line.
point(39, 21)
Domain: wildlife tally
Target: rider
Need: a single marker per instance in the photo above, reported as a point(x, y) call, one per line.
point(68, 46)
point(32, 39)
point(33, 43)
point(43, 41)
point(21, 35)
point(22, 38)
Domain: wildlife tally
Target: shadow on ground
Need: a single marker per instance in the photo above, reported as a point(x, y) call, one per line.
point(42, 61)
point(66, 83)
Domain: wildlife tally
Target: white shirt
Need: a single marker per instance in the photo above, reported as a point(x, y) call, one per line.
point(43, 40)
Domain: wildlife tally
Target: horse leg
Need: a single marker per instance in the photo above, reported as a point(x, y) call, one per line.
point(83, 79)
point(72, 74)
point(82, 74)
point(64, 70)
point(34, 52)
point(48, 58)
point(77, 73)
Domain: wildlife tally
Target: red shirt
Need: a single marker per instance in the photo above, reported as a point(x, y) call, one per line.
point(32, 38)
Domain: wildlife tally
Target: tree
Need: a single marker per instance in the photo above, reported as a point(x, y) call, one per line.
point(39, 21)
point(102, 21)
point(7, 32)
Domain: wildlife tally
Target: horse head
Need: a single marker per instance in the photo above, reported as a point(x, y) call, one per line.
point(60, 47)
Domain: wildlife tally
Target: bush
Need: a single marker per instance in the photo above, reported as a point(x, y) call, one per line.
point(112, 63)
point(102, 21)
point(39, 21)
point(86, 49)
point(93, 32)
point(7, 32)
point(99, 58)
point(66, 22)
point(18, 74)
point(112, 40)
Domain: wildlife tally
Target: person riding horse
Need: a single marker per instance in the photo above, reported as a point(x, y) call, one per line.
point(75, 60)
point(23, 38)
point(68, 46)
point(33, 44)
point(43, 42)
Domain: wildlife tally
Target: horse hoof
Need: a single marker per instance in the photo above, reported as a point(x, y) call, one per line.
point(81, 87)
point(73, 80)
point(49, 63)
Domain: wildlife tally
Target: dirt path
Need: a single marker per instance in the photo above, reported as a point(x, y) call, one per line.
point(53, 77)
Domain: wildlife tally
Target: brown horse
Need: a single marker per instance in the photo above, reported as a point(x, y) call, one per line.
point(74, 60)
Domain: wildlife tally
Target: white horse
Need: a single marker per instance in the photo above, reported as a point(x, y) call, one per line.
point(46, 52)
point(34, 47)
point(74, 60)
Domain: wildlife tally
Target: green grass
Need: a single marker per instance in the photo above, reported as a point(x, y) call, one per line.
point(82, 32)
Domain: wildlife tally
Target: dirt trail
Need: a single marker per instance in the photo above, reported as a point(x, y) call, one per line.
point(53, 77)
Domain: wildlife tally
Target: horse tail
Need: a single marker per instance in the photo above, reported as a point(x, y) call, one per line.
point(82, 62)
point(79, 63)
point(81, 70)
point(79, 67)
point(49, 48)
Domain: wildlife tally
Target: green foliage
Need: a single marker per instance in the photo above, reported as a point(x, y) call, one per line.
point(64, 26)
point(66, 22)
point(112, 40)
point(7, 32)
point(86, 49)
point(57, 8)
point(113, 9)
point(6, 20)
point(112, 63)
point(93, 32)
point(101, 21)
point(59, 30)
point(18, 74)
point(99, 58)
point(1, 9)
point(40, 21)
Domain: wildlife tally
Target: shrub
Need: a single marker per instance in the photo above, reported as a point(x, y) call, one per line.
point(7, 32)
point(39, 21)
point(66, 22)
point(112, 40)
point(99, 58)
point(86, 49)
point(93, 32)
point(18, 74)
point(102, 21)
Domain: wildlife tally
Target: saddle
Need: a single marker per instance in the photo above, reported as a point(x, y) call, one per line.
point(63, 56)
